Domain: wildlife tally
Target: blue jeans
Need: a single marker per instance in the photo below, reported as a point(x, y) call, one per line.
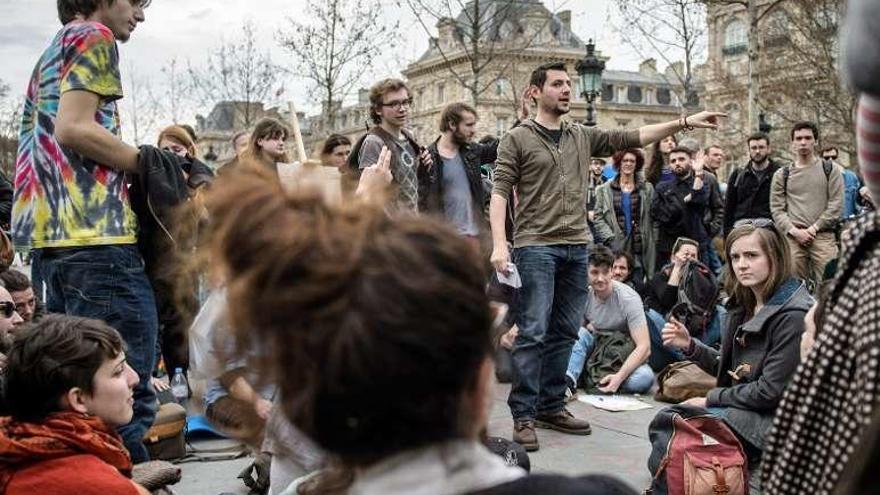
point(661, 356)
point(551, 304)
point(108, 283)
point(714, 261)
point(638, 382)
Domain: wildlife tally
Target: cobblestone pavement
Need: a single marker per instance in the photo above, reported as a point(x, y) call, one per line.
point(618, 446)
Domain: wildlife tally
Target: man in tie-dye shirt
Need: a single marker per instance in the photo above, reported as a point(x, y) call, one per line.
point(71, 203)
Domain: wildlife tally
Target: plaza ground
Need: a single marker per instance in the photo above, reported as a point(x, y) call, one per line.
point(618, 446)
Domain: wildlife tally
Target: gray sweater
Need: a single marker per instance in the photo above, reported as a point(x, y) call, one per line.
point(810, 198)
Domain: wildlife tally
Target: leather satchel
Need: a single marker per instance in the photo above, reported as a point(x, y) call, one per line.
point(681, 381)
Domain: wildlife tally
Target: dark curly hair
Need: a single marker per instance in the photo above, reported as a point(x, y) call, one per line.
point(617, 158)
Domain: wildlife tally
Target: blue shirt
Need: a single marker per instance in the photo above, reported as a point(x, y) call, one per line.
point(851, 186)
point(626, 204)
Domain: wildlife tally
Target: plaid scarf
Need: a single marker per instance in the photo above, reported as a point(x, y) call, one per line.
point(834, 393)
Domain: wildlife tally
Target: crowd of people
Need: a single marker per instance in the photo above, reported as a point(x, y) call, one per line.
point(360, 325)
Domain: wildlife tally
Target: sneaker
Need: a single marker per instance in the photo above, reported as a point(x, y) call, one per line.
point(565, 422)
point(524, 434)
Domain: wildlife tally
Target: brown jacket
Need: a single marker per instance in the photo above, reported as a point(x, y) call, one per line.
point(551, 181)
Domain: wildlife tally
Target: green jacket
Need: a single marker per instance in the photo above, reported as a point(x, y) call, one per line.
point(552, 181)
point(608, 229)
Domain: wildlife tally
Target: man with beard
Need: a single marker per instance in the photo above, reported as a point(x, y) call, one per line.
point(679, 205)
point(456, 187)
point(547, 159)
point(748, 190)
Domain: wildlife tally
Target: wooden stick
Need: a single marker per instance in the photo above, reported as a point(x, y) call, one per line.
point(297, 135)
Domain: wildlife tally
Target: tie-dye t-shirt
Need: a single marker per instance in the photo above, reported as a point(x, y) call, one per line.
point(63, 199)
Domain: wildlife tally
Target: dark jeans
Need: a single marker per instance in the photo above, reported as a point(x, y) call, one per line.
point(108, 283)
point(551, 305)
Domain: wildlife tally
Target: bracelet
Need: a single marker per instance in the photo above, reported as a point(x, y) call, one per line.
point(686, 126)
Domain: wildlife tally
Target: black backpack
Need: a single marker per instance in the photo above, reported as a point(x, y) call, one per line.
point(698, 293)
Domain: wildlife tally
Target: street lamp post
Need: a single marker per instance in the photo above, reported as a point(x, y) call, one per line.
point(590, 80)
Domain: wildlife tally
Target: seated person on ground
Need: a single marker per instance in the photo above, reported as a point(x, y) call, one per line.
point(10, 321)
point(26, 303)
point(622, 271)
point(760, 348)
point(663, 295)
point(397, 395)
point(68, 388)
point(614, 317)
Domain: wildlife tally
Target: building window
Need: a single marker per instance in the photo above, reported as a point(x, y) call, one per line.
point(736, 38)
point(622, 122)
point(607, 92)
point(420, 99)
point(501, 86)
point(501, 126)
point(441, 93)
point(663, 96)
point(634, 94)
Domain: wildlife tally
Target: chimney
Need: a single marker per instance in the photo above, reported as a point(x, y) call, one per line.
point(648, 67)
point(565, 19)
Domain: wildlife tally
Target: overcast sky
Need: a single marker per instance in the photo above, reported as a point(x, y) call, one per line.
point(187, 29)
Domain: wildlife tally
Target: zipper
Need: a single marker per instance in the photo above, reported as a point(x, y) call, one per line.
point(158, 221)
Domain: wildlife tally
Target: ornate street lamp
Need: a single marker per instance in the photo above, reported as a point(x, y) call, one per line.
point(763, 125)
point(590, 80)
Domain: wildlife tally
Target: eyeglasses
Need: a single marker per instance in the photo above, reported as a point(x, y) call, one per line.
point(760, 223)
point(8, 308)
point(398, 104)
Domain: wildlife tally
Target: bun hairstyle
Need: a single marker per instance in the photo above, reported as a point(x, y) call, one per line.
point(372, 327)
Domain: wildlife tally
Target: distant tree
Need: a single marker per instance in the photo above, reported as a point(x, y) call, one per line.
point(482, 36)
point(237, 71)
point(334, 46)
point(172, 98)
point(138, 109)
point(672, 30)
point(10, 123)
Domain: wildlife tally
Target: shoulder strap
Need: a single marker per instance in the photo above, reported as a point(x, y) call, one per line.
point(827, 166)
point(737, 181)
point(786, 171)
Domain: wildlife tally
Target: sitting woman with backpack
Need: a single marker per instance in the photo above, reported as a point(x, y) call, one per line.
point(664, 293)
point(380, 337)
point(760, 348)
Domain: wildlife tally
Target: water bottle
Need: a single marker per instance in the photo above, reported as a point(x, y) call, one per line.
point(179, 387)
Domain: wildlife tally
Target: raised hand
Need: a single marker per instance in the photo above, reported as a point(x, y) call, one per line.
point(377, 176)
point(699, 161)
point(524, 104)
point(675, 335)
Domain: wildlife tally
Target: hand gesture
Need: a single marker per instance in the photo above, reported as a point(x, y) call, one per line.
point(524, 105)
point(705, 120)
point(802, 236)
point(699, 162)
point(426, 160)
point(610, 383)
point(696, 402)
point(377, 176)
point(500, 259)
point(675, 335)
point(263, 407)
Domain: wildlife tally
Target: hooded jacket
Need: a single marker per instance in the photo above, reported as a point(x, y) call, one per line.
point(757, 360)
point(552, 180)
point(64, 454)
point(608, 229)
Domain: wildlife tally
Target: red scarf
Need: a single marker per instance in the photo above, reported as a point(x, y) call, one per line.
point(59, 435)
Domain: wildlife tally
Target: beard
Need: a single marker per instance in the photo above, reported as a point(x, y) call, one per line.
point(459, 138)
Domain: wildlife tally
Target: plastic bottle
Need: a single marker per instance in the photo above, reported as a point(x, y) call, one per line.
point(179, 386)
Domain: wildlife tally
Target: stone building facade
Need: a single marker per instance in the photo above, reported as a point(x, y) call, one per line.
point(630, 98)
point(790, 79)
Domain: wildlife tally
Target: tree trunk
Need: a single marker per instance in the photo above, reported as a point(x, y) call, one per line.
point(754, 81)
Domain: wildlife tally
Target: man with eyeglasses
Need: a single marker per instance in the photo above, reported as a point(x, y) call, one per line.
point(748, 189)
point(19, 287)
point(855, 195)
point(71, 203)
point(390, 103)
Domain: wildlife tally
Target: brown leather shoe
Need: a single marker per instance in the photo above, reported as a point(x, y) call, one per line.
point(524, 434)
point(565, 422)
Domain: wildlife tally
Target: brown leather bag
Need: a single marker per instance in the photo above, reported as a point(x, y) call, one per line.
point(681, 381)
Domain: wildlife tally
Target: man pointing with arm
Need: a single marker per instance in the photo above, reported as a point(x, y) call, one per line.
point(547, 160)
